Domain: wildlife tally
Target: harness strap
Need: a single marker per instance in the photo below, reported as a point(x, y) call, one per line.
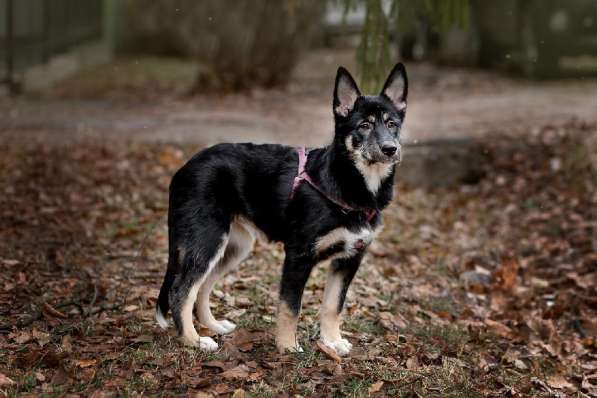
point(303, 176)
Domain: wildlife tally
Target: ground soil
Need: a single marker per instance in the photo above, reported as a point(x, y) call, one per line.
point(481, 289)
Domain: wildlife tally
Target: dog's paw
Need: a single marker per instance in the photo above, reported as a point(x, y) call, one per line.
point(207, 344)
point(222, 327)
point(341, 346)
point(228, 326)
point(203, 343)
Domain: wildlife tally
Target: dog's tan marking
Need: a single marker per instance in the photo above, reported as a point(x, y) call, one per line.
point(349, 144)
point(329, 316)
point(189, 334)
point(373, 174)
point(255, 232)
point(385, 116)
point(286, 329)
point(343, 235)
point(371, 118)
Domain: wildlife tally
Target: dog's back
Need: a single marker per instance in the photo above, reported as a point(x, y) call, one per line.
point(235, 180)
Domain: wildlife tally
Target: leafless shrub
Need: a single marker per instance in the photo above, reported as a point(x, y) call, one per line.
point(239, 43)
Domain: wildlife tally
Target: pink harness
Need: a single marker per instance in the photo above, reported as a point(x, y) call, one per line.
point(303, 176)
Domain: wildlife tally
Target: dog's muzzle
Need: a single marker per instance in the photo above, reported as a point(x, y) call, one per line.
point(390, 152)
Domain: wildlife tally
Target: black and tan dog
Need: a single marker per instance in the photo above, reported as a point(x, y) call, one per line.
point(323, 204)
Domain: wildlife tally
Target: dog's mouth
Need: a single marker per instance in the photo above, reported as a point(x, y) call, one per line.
point(380, 158)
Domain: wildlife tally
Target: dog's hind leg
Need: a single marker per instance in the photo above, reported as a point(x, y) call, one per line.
point(199, 258)
point(240, 243)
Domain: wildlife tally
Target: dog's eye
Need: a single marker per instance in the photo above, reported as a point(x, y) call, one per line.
point(365, 126)
point(391, 124)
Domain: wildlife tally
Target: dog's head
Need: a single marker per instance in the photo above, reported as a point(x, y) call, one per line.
point(368, 127)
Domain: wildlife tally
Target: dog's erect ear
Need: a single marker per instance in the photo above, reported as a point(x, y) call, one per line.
point(346, 93)
point(396, 87)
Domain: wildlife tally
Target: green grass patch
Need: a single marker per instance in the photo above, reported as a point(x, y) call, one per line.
point(360, 325)
point(444, 339)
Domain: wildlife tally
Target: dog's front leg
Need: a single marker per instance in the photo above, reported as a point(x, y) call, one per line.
point(295, 273)
point(340, 275)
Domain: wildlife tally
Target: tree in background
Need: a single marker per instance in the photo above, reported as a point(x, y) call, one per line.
point(384, 17)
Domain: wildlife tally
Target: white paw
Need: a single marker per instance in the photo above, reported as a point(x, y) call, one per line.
point(342, 346)
point(222, 327)
point(207, 344)
point(227, 325)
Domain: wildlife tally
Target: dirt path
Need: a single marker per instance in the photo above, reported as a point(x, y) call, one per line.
point(446, 103)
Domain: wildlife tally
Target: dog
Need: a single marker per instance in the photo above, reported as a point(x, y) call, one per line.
point(324, 204)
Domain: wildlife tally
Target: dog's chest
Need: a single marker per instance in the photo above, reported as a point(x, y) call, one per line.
point(343, 242)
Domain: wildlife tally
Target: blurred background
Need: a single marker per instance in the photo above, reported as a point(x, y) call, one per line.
point(263, 71)
point(483, 281)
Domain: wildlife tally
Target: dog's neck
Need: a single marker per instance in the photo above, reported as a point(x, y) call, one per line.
point(338, 175)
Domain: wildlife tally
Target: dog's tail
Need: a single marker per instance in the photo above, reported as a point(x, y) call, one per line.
point(163, 304)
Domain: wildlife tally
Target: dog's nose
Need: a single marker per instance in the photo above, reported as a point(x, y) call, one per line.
point(389, 149)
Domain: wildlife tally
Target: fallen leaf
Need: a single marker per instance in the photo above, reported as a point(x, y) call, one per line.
point(100, 394)
point(149, 378)
point(40, 377)
point(215, 364)
point(505, 276)
point(412, 363)
point(375, 387)
point(246, 347)
point(519, 364)
point(255, 376)
point(202, 394)
point(222, 388)
point(586, 281)
point(5, 381)
point(238, 393)
point(588, 387)
point(559, 382)
point(21, 337)
point(144, 338)
point(66, 343)
point(328, 351)
point(48, 309)
point(84, 363)
point(41, 337)
point(238, 372)
point(500, 329)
